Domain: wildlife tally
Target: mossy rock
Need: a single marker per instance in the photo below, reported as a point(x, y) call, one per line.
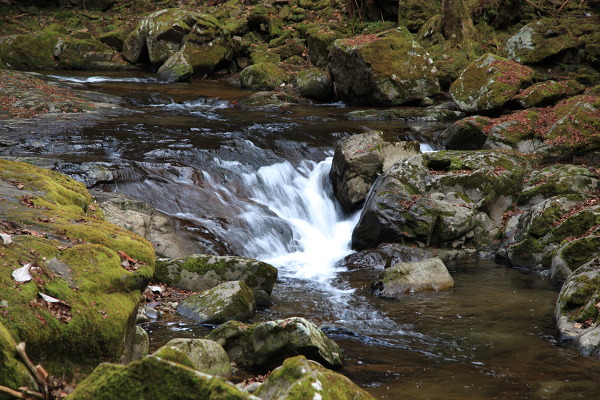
point(580, 294)
point(258, 57)
point(574, 254)
point(385, 69)
point(547, 93)
point(414, 13)
point(301, 379)
point(56, 227)
point(488, 83)
point(320, 40)
point(177, 68)
point(264, 76)
point(154, 378)
point(467, 134)
point(33, 50)
point(14, 374)
point(313, 82)
point(202, 355)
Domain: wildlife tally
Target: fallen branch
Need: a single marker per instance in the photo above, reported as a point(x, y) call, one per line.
point(13, 393)
point(41, 381)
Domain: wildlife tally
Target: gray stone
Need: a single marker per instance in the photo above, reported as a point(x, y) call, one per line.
point(206, 355)
point(177, 68)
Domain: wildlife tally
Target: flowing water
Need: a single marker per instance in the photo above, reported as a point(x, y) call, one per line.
point(255, 183)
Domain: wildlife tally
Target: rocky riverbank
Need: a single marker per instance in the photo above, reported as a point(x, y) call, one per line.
point(519, 178)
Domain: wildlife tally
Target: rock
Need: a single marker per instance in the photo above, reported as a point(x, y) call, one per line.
point(544, 38)
point(227, 301)
point(320, 40)
point(77, 255)
point(313, 82)
point(359, 160)
point(576, 310)
point(414, 13)
point(258, 57)
point(204, 355)
point(265, 345)
point(467, 134)
point(575, 253)
point(264, 76)
point(546, 93)
point(439, 199)
point(167, 234)
point(384, 256)
point(154, 378)
point(89, 173)
point(405, 114)
point(201, 272)
point(14, 373)
point(301, 379)
point(177, 68)
point(386, 69)
point(488, 83)
point(427, 275)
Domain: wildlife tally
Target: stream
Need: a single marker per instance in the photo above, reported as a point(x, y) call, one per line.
point(255, 184)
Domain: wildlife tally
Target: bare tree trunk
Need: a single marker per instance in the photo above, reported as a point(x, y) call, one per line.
point(456, 23)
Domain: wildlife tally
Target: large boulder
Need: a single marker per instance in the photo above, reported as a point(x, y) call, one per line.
point(409, 277)
point(301, 379)
point(264, 76)
point(228, 301)
point(202, 272)
point(488, 83)
point(155, 378)
point(72, 281)
point(467, 134)
point(577, 309)
point(359, 159)
point(446, 199)
point(385, 69)
point(265, 345)
point(204, 355)
point(313, 82)
point(546, 93)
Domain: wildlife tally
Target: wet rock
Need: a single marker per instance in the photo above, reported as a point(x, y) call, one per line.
point(168, 235)
point(386, 69)
point(201, 272)
point(301, 379)
point(406, 114)
point(204, 355)
point(265, 345)
point(442, 199)
point(547, 93)
point(138, 346)
point(313, 82)
point(427, 275)
point(90, 173)
point(359, 160)
point(227, 301)
point(384, 256)
point(177, 68)
point(14, 373)
point(154, 378)
point(77, 259)
point(263, 76)
point(467, 134)
point(488, 83)
point(577, 311)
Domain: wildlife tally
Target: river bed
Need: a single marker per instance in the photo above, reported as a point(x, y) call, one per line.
point(254, 183)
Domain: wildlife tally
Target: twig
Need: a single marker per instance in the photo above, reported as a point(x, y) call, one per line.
point(20, 348)
point(13, 393)
point(563, 5)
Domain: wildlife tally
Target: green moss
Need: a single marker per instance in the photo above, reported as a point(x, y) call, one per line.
point(171, 353)
point(14, 373)
point(263, 76)
point(580, 251)
point(527, 253)
point(576, 225)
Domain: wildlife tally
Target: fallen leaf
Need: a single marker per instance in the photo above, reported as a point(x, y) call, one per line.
point(48, 299)
point(22, 274)
point(6, 238)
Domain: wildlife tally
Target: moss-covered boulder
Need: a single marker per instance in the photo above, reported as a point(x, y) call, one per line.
point(314, 83)
point(202, 272)
point(467, 134)
point(53, 47)
point(319, 40)
point(177, 68)
point(577, 312)
point(414, 13)
point(265, 345)
point(359, 159)
point(264, 76)
point(385, 69)
point(547, 37)
point(204, 355)
point(577, 250)
point(547, 93)
point(409, 277)
point(155, 378)
point(228, 301)
point(407, 114)
point(93, 270)
point(301, 379)
point(488, 83)
point(13, 373)
point(441, 199)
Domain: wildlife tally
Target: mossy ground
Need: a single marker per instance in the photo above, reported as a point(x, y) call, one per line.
point(56, 227)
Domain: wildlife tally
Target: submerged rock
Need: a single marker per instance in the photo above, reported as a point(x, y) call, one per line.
point(301, 379)
point(488, 83)
point(265, 345)
point(385, 69)
point(427, 275)
point(359, 160)
point(204, 355)
point(155, 378)
point(227, 301)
